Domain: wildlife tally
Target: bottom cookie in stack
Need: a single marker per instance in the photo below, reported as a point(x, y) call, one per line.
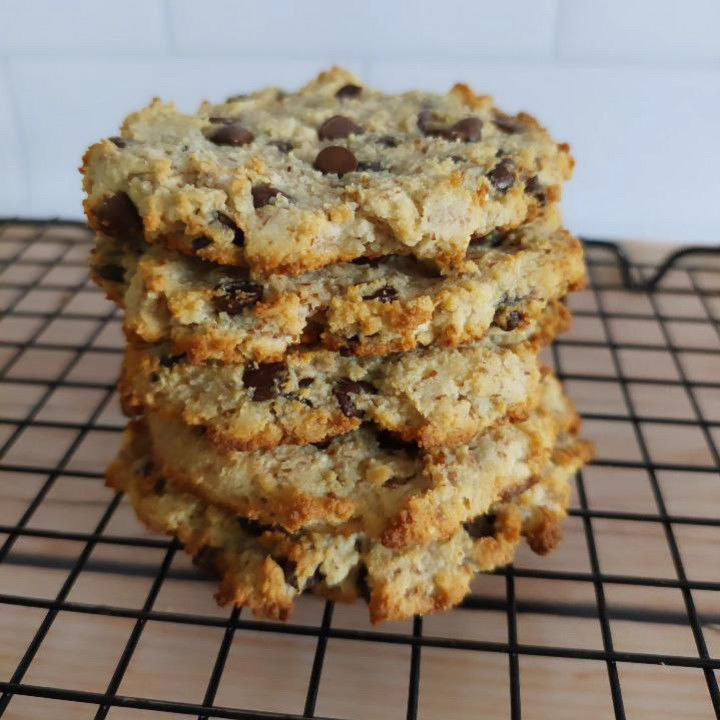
point(266, 567)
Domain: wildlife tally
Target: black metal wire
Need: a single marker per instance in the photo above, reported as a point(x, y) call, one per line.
point(132, 642)
point(513, 660)
point(316, 673)
point(605, 630)
point(603, 256)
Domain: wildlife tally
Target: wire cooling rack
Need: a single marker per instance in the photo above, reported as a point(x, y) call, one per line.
point(100, 619)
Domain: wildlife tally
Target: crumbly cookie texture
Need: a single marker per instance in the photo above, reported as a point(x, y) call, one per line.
point(286, 183)
point(435, 397)
point(392, 305)
point(266, 568)
point(365, 481)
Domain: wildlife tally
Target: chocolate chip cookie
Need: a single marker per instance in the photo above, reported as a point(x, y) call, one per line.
point(287, 182)
point(371, 308)
point(434, 396)
point(367, 480)
point(266, 568)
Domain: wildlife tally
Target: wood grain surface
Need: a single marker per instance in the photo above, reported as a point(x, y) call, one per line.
point(270, 671)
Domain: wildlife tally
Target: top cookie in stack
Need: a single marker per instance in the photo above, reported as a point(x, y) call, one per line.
point(285, 184)
point(373, 275)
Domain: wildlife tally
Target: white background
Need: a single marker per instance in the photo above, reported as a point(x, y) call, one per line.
point(633, 85)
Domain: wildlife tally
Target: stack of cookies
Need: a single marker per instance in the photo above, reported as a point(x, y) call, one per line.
point(334, 304)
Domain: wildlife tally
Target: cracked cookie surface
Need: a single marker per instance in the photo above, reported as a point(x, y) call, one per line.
point(393, 305)
point(266, 568)
point(287, 182)
point(366, 480)
point(435, 397)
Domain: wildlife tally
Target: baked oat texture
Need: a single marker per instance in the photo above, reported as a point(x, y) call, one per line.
point(365, 481)
point(434, 396)
point(394, 305)
point(284, 183)
point(266, 568)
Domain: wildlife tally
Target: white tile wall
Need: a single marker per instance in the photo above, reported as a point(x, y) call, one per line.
point(633, 85)
point(640, 30)
point(52, 27)
point(389, 28)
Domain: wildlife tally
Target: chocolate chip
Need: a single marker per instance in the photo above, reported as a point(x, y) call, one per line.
point(343, 392)
point(147, 468)
point(160, 486)
point(169, 361)
point(236, 295)
point(535, 188)
point(199, 243)
point(424, 119)
point(118, 217)
point(457, 158)
point(348, 91)
point(252, 527)
point(264, 380)
point(305, 382)
point(480, 527)
point(351, 344)
point(502, 176)
point(118, 141)
point(317, 578)
point(371, 261)
point(232, 134)
point(338, 127)
point(206, 561)
point(507, 319)
point(282, 145)
point(369, 166)
point(136, 245)
point(392, 442)
point(385, 294)
point(508, 123)
point(228, 222)
point(513, 320)
point(112, 273)
point(532, 185)
point(263, 194)
point(289, 568)
point(467, 130)
point(335, 159)
point(389, 141)
point(217, 120)
point(363, 586)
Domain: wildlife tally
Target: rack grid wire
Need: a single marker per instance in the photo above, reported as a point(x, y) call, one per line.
point(100, 619)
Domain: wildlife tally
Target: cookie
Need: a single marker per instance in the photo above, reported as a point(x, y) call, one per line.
point(266, 568)
point(434, 396)
point(377, 308)
point(285, 183)
point(366, 481)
